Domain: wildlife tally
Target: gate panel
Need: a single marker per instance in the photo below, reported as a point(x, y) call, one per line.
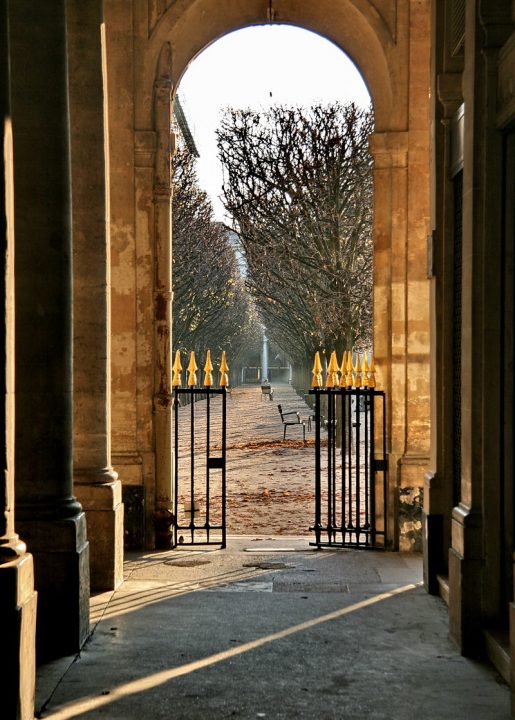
point(200, 421)
point(350, 468)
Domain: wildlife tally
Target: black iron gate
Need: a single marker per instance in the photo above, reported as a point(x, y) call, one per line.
point(200, 420)
point(350, 468)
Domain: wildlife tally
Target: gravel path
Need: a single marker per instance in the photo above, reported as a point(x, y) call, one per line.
point(269, 481)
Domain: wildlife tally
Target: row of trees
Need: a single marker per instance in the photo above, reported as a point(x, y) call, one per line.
point(298, 185)
point(212, 307)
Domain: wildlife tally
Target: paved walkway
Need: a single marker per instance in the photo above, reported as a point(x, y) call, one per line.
point(270, 627)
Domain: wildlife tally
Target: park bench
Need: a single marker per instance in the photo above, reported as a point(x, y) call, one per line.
point(287, 419)
point(267, 391)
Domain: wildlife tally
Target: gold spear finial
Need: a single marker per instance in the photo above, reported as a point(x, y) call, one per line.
point(317, 371)
point(343, 369)
point(208, 370)
point(357, 373)
point(348, 373)
point(192, 370)
point(372, 372)
point(332, 372)
point(177, 367)
point(364, 371)
point(224, 369)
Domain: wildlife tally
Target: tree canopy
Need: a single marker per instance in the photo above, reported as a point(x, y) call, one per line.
point(212, 308)
point(298, 183)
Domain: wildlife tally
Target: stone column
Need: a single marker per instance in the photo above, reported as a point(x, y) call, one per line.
point(49, 517)
point(96, 484)
point(17, 596)
point(401, 324)
point(446, 160)
point(390, 151)
point(481, 551)
point(163, 299)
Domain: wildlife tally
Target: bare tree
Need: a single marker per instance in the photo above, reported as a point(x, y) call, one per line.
point(298, 184)
point(212, 307)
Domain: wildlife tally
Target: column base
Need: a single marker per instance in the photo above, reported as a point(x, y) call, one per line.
point(163, 520)
point(512, 655)
point(18, 603)
point(464, 582)
point(104, 515)
point(409, 501)
point(61, 570)
point(436, 541)
point(139, 469)
point(432, 551)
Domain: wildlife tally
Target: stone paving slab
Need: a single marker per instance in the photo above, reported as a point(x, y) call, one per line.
point(218, 634)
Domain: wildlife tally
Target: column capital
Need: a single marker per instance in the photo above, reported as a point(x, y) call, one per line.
point(160, 294)
point(162, 193)
point(94, 475)
point(450, 93)
point(389, 149)
point(144, 148)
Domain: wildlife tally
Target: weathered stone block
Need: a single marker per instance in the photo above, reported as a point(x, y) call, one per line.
point(410, 503)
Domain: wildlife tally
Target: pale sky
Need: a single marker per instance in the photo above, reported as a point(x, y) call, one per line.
point(257, 67)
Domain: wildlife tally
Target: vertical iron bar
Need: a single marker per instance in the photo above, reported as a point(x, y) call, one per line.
point(208, 440)
point(192, 466)
point(329, 469)
point(350, 525)
point(176, 467)
point(367, 466)
point(224, 449)
point(385, 511)
point(318, 488)
point(373, 470)
point(343, 449)
point(332, 397)
point(348, 450)
point(358, 467)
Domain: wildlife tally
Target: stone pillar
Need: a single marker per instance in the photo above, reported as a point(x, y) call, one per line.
point(144, 163)
point(49, 517)
point(390, 151)
point(480, 552)
point(163, 299)
point(96, 484)
point(466, 555)
point(17, 596)
point(446, 161)
point(401, 324)
point(131, 271)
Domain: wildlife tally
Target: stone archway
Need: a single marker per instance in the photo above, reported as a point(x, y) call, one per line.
point(147, 54)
